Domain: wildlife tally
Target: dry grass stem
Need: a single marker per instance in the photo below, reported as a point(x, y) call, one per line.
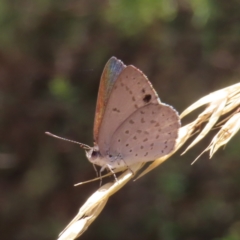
point(94, 205)
point(220, 102)
point(228, 130)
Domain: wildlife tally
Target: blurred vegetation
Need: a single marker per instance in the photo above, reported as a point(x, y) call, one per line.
point(51, 57)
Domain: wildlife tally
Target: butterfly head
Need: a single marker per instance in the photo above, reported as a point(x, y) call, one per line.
point(94, 156)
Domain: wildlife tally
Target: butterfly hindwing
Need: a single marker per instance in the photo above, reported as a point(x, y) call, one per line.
point(147, 134)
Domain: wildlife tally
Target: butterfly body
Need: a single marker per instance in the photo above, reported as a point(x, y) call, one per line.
point(131, 124)
point(109, 160)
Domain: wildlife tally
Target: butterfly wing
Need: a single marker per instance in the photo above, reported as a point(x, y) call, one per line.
point(109, 76)
point(147, 134)
point(130, 92)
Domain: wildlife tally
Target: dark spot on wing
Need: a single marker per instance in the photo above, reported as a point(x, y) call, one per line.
point(147, 98)
point(116, 110)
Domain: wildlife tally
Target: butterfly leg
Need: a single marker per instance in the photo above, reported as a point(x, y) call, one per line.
point(95, 169)
point(100, 174)
point(128, 168)
point(110, 168)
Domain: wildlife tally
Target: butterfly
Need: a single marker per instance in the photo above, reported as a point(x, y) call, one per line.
point(131, 123)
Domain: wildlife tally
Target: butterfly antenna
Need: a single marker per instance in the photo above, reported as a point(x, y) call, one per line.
point(84, 146)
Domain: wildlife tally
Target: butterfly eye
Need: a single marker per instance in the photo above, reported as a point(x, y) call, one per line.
point(95, 154)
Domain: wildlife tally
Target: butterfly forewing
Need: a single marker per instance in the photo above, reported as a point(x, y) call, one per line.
point(109, 76)
point(131, 91)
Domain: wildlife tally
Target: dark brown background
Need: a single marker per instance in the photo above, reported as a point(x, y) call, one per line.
point(51, 57)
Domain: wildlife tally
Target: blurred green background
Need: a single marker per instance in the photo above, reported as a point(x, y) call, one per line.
point(52, 53)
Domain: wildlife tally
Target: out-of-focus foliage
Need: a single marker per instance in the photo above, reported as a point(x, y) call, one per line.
point(51, 57)
point(132, 17)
